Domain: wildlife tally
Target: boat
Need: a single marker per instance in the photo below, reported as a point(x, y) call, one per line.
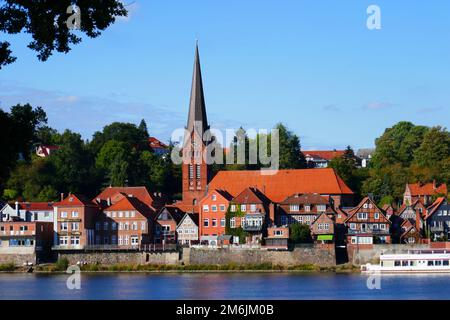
point(412, 261)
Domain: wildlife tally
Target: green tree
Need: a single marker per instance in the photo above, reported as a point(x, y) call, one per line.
point(46, 22)
point(434, 148)
point(300, 233)
point(114, 159)
point(143, 128)
point(398, 144)
point(291, 156)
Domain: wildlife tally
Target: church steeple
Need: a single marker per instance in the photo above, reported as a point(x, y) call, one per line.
point(197, 110)
point(195, 169)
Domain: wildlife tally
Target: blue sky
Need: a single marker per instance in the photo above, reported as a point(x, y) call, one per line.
point(312, 65)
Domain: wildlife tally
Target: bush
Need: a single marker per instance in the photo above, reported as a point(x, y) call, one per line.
point(62, 264)
point(7, 267)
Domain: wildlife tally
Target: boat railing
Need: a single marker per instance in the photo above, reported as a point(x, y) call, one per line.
point(419, 251)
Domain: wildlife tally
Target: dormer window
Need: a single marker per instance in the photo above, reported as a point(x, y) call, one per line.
point(294, 208)
point(307, 208)
point(214, 197)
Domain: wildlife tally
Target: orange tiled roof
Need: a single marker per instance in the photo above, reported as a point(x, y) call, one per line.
point(249, 195)
point(419, 189)
point(130, 203)
point(73, 200)
point(432, 209)
point(327, 154)
point(138, 192)
point(284, 183)
point(156, 144)
point(34, 206)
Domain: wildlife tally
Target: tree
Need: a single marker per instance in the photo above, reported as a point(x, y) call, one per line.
point(345, 167)
point(114, 159)
point(398, 144)
point(74, 165)
point(143, 128)
point(300, 233)
point(434, 148)
point(48, 23)
point(291, 156)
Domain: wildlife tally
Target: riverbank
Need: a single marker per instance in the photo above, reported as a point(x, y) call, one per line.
point(61, 267)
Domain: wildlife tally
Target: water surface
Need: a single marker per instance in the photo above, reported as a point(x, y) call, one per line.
point(226, 286)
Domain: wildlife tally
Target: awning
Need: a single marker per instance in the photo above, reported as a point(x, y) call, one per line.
point(325, 237)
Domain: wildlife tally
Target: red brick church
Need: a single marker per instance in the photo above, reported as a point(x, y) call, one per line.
point(197, 179)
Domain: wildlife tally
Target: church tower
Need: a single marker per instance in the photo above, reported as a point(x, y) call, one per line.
point(195, 170)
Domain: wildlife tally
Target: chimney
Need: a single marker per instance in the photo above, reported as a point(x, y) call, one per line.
point(108, 201)
point(17, 208)
point(434, 185)
point(62, 196)
point(272, 214)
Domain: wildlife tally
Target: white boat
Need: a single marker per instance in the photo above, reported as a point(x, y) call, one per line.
point(414, 261)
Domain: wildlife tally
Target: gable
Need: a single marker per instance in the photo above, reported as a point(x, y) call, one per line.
point(369, 208)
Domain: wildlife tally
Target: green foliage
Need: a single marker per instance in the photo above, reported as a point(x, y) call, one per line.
point(386, 200)
point(236, 232)
point(347, 168)
point(10, 194)
point(300, 233)
point(46, 22)
point(291, 156)
point(62, 264)
point(7, 267)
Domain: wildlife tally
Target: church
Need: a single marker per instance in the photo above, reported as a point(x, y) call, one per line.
point(200, 189)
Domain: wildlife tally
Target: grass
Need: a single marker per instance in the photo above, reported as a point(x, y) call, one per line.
point(7, 267)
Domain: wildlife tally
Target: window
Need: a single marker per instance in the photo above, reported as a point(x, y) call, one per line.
point(105, 226)
point(63, 241)
point(75, 226)
point(222, 207)
point(243, 207)
point(362, 215)
point(63, 214)
point(114, 226)
point(205, 208)
point(198, 173)
point(214, 208)
point(214, 197)
point(252, 207)
point(133, 214)
point(75, 241)
point(278, 232)
point(120, 214)
point(214, 222)
point(206, 222)
point(64, 226)
point(114, 214)
point(376, 216)
point(120, 240)
point(233, 223)
point(127, 214)
point(74, 214)
point(353, 226)
point(134, 240)
point(113, 239)
point(321, 208)
point(445, 263)
point(382, 226)
point(294, 208)
point(143, 225)
point(222, 222)
point(108, 214)
point(134, 226)
point(233, 208)
point(23, 228)
point(120, 226)
point(307, 208)
point(191, 171)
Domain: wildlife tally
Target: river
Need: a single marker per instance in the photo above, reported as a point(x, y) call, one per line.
point(259, 286)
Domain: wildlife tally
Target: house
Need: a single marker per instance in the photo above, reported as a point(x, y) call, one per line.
point(277, 238)
point(213, 209)
point(320, 159)
point(389, 210)
point(438, 220)
point(424, 192)
point(365, 156)
point(45, 151)
point(367, 224)
point(303, 208)
point(74, 223)
point(111, 195)
point(157, 146)
point(27, 211)
point(284, 183)
point(187, 230)
point(408, 223)
point(251, 211)
point(166, 222)
point(25, 242)
point(322, 229)
point(128, 223)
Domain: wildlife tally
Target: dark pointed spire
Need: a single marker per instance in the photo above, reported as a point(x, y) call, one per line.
point(197, 109)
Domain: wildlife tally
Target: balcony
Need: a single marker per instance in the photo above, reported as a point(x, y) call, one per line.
point(437, 229)
point(251, 226)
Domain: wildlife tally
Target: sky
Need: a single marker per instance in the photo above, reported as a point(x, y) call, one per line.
point(310, 64)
